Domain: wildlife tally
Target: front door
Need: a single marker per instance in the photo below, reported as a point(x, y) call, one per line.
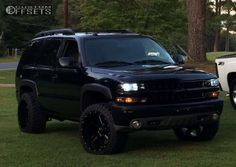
point(68, 82)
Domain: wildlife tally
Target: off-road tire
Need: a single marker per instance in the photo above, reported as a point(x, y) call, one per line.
point(202, 132)
point(232, 94)
point(97, 131)
point(30, 118)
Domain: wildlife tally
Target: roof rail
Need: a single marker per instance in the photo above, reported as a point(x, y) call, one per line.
point(112, 31)
point(54, 32)
point(117, 31)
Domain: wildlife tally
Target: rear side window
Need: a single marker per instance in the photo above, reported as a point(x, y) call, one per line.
point(49, 52)
point(31, 52)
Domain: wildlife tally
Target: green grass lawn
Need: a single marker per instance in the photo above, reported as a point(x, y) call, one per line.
point(6, 59)
point(60, 145)
point(7, 77)
point(211, 56)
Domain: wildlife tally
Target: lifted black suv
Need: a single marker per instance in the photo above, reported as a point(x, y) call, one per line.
point(113, 82)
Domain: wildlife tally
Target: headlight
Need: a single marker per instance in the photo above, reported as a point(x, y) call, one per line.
point(127, 87)
point(214, 82)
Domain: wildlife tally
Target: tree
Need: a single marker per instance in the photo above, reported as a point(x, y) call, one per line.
point(229, 20)
point(2, 29)
point(214, 24)
point(164, 20)
point(217, 25)
point(196, 14)
point(221, 20)
point(20, 29)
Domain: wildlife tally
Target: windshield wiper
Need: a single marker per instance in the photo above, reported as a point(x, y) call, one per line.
point(151, 62)
point(113, 63)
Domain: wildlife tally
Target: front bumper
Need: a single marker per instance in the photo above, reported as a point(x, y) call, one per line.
point(166, 116)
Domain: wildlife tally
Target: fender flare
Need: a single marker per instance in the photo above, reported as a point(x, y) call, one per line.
point(28, 83)
point(94, 87)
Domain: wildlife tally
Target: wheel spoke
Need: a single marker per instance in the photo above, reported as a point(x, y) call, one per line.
point(106, 137)
point(234, 96)
point(194, 133)
point(100, 120)
point(94, 138)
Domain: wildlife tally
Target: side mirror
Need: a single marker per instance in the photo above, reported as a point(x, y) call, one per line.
point(67, 61)
point(179, 59)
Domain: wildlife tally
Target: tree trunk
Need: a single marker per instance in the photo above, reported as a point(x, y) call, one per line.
point(227, 40)
point(216, 41)
point(227, 27)
point(66, 13)
point(217, 31)
point(196, 11)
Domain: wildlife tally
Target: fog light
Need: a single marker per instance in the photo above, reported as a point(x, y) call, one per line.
point(120, 99)
point(215, 116)
point(143, 100)
point(130, 100)
point(127, 100)
point(214, 94)
point(135, 124)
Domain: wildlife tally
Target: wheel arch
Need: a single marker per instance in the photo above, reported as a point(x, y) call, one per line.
point(26, 86)
point(94, 93)
point(230, 77)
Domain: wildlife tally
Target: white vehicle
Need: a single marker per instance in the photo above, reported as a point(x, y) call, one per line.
point(226, 71)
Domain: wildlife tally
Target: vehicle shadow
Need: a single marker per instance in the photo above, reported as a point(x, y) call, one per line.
point(145, 140)
point(166, 140)
point(154, 141)
point(57, 127)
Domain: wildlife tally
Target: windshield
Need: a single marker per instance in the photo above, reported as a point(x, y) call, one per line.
point(125, 51)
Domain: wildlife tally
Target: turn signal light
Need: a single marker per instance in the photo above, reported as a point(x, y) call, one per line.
point(127, 100)
point(214, 94)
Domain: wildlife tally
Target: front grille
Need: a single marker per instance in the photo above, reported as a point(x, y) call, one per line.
point(171, 92)
point(174, 85)
point(172, 98)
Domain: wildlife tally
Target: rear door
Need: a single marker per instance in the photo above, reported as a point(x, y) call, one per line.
point(46, 72)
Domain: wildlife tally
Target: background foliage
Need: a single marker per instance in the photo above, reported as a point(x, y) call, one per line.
point(165, 20)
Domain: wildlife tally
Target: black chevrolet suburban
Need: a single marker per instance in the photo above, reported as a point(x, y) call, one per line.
point(113, 82)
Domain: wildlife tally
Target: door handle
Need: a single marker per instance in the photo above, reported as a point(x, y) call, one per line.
point(54, 76)
point(221, 63)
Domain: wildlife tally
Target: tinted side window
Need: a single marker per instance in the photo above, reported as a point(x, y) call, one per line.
point(49, 52)
point(31, 52)
point(71, 50)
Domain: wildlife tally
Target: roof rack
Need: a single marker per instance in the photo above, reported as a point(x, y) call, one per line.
point(54, 32)
point(116, 31)
point(111, 31)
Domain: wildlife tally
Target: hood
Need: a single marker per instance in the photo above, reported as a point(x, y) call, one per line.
point(136, 73)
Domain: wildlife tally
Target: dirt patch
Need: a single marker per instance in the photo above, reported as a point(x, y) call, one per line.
point(209, 67)
point(7, 85)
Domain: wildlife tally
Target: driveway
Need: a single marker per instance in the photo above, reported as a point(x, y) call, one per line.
point(8, 66)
